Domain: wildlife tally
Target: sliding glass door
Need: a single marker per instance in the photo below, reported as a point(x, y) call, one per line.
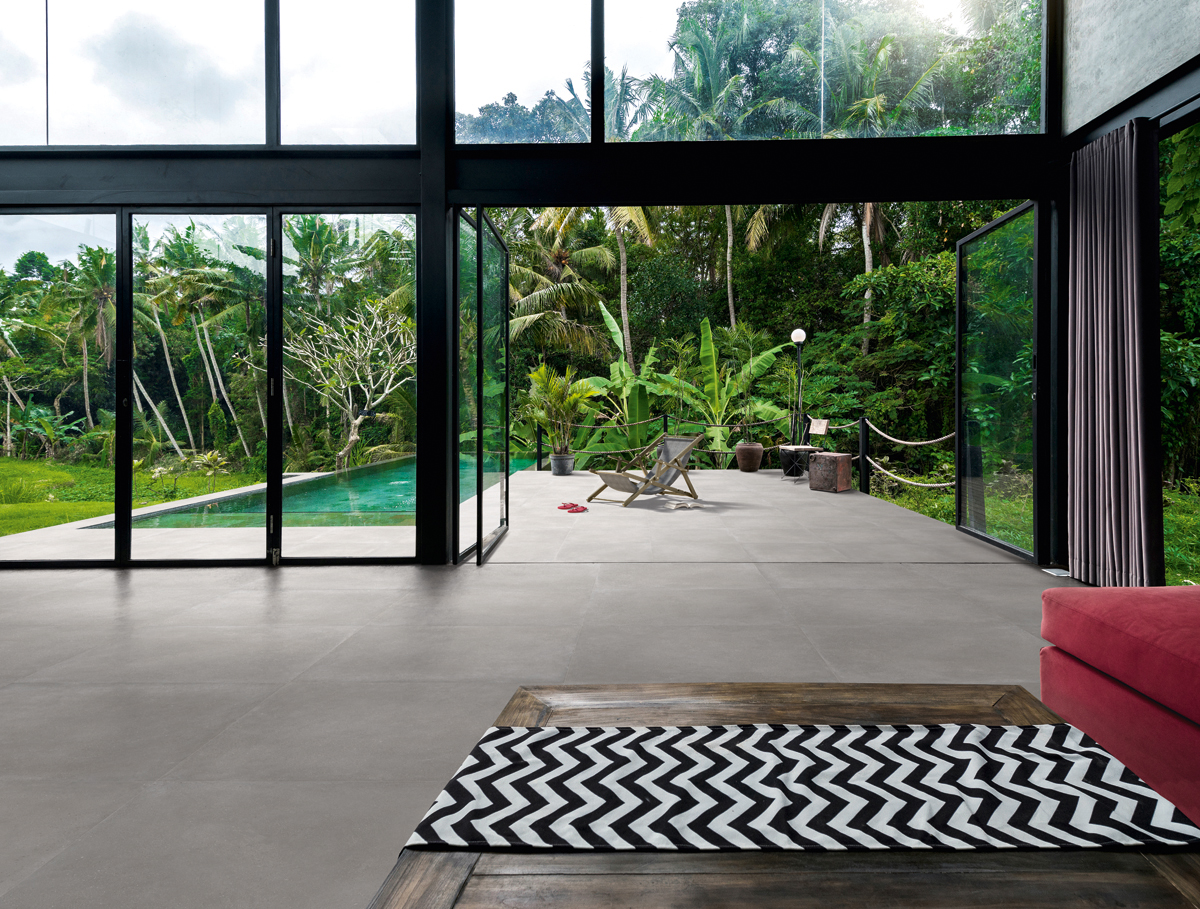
point(349, 485)
point(997, 281)
point(483, 410)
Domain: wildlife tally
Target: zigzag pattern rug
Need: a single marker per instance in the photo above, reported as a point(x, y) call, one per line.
point(782, 787)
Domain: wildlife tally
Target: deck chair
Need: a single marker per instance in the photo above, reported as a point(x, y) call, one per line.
point(660, 463)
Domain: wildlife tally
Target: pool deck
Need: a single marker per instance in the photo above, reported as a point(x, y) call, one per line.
point(204, 737)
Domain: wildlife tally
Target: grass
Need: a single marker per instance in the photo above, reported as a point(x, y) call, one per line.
point(25, 516)
point(1181, 534)
point(36, 494)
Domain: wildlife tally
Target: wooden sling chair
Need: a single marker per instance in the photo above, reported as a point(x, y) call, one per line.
point(660, 463)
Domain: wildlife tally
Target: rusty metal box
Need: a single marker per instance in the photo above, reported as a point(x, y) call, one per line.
point(829, 471)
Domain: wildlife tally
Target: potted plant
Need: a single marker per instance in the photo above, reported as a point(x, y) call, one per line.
point(555, 403)
point(749, 453)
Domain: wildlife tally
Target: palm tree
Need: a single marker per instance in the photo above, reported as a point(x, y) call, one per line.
point(88, 289)
point(637, 219)
point(552, 303)
point(325, 252)
point(624, 105)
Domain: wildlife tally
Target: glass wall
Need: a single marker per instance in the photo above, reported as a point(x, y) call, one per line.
point(349, 78)
point(521, 70)
point(997, 282)
point(199, 387)
point(57, 348)
point(131, 72)
point(820, 68)
point(493, 365)
point(468, 383)
point(350, 371)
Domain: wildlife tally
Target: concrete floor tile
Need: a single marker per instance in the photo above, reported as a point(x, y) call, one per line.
point(38, 820)
point(680, 575)
point(706, 653)
point(944, 651)
point(361, 731)
point(227, 653)
point(836, 606)
point(112, 732)
point(521, 654)
point(305, 606)
point(683, 606)
point(261, 845)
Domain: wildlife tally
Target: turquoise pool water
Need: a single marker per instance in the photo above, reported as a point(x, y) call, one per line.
point(375, 495)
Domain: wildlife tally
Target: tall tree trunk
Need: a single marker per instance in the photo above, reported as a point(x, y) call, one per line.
point(12, 391)
point(340, 460)
point(87, 401)
point(171, 372)
point(287, 407)
point(212, 386)
point(58, 398)
point(868, 267)
point(224, 394)
point(137, 383)
point(729, 263)
point(262, 415)
point(625, 297)
point(8, 445)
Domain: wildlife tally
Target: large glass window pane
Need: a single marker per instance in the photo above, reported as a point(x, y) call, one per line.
point(468, 387)
point(350, 373)
point(521, 70)
point(733, 69)
point(57, 346)
point(23, 73)
point(199, 387)
point(996, 286)
point(493, 423)
point(134, 72)
point(349, 73)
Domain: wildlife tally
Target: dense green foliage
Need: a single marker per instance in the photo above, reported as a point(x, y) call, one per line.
point(752, 69)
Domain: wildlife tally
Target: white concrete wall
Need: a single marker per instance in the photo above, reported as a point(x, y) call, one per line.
point(1114, 48)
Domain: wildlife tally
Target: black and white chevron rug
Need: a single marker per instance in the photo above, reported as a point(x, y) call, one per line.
point(781, 787)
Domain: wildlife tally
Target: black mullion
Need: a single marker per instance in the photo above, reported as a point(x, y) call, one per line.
point(598, 80)
point(479, 415)
point(123, 378)
point(507, 399)
point(960, 425)
point(274, 307)
point(274, 79)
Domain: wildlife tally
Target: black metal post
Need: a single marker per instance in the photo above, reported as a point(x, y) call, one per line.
point(123, 379)
point(539, 447)
point(275, 391)
point(798, 432)
point(864, 450)
point(666, 429)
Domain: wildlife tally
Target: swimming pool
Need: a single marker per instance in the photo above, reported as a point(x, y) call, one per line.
point(378, 495)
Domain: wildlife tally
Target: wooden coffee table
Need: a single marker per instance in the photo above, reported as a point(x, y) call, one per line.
point(433, 879)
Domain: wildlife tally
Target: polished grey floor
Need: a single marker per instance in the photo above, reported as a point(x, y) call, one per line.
point(257, 738)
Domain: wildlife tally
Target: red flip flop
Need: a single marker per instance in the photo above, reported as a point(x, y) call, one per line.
point(566, 506)
point(576, 510)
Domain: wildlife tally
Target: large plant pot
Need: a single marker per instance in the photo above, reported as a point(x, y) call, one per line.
point(749, 456)
point(561, 465)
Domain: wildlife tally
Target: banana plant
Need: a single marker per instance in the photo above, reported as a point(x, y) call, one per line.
point(628, 393)
point(726, 391)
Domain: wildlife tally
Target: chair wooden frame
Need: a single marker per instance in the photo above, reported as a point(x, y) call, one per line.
point(656, 478)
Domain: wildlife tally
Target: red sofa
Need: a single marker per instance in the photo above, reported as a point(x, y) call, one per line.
point(1125, 668)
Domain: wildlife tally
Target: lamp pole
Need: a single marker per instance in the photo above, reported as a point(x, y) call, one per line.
point(798, 337)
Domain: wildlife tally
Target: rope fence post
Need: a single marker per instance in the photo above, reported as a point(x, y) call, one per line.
point(539, 447)
point(864, 453)
point(666, 431)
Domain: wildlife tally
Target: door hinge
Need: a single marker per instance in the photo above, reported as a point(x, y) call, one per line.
point(271, 524)
point(272, 387)
point(275, 557)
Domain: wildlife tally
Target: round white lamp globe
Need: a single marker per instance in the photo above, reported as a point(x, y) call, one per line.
point(798, 336)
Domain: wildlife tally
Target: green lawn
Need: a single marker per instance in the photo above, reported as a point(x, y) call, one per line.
point(35, 494)
point(1181, 534)
point(35, 515)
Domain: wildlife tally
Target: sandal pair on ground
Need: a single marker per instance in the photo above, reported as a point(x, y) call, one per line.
point(571, 508)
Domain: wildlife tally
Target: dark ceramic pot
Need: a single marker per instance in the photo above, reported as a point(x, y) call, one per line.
point(561, 465)
point(749, 456)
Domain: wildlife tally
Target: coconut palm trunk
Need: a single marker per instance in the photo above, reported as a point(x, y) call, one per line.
point(87, 400)
point(212, 386)
point(287, 407)
point(224, 394)
point(625, 296)
point(171, 372)
point(868, 267)
point(729, 263)
point(137, 383)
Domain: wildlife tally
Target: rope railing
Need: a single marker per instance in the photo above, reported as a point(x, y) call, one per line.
point(902, 441)
point(882, 469)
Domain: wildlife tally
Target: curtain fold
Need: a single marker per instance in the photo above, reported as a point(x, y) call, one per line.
point(1114, 465)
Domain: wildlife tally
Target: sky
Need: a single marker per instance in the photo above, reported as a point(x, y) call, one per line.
point(58, 236)
point(157, 72)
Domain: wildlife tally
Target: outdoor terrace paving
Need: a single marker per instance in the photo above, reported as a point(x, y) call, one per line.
point(250, 737)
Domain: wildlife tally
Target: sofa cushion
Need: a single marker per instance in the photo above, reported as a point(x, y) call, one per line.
point(1148, 637)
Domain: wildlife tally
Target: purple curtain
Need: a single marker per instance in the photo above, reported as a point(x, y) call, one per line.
point(1114, 465)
